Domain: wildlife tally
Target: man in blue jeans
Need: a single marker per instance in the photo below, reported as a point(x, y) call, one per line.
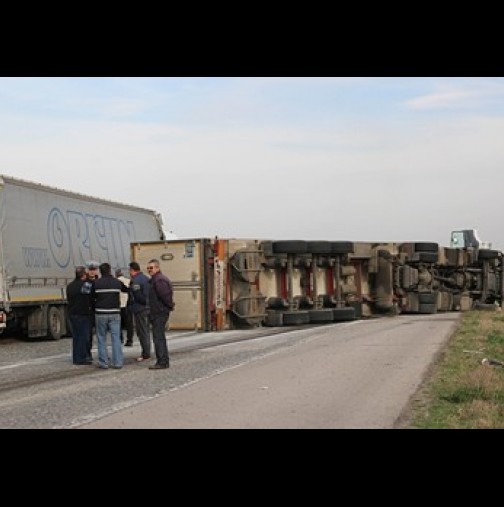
point(107, 306)
point(161, 304)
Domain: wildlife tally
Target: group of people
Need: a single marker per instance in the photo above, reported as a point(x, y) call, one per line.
point(94, 301)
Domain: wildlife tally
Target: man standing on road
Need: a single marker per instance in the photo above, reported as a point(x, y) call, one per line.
point(161, 304)
point(126, 317)
point(79, 312)
point(138, 306)
point(91, 276)
point(107, 308)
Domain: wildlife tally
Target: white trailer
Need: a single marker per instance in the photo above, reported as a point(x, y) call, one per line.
point(45, 233)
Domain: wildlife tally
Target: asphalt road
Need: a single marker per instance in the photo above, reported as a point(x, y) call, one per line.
point(354, 375)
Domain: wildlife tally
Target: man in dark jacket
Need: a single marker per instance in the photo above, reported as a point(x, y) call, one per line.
point(107, 309)
point(138, 306)
point(160, 305)
point(78, 294)
point(91, 276)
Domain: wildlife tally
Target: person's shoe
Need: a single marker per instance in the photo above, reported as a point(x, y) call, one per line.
point(159, 366)
point(128, 344)
point(116, 367)
point(103, 367)
point(141, 358)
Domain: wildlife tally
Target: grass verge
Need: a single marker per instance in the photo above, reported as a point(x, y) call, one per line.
point(463, 393)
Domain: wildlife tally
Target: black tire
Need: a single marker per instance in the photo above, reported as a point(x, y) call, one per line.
point(343, 314)
point(296, 318)
point(342, 247)
point(357, 306)
point(426, 247)
point(488, 254)
point(427, 308)
point(321, 315)
point(290, 247)
point(319, 247)
point(428, 257)
point(55, 325)
point(273, 319)
point(428, 298)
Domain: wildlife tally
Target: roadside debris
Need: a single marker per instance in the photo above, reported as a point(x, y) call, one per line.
point(492, 362)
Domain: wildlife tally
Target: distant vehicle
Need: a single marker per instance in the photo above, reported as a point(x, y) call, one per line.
point(45, 233)
point(467, 238)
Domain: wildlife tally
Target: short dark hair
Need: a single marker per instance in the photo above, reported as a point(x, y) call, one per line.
point(105, 269)
point(134, 266)
point(80, 271)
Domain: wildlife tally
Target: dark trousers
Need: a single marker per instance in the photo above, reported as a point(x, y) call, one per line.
point(80, 337)
point(90, 336)
point(127, 324)
point(159, 337)
point(143, 332)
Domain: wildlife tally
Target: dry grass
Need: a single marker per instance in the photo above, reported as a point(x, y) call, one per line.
point(463, 393)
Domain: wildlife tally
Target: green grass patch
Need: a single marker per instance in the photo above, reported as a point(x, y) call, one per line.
point(462, 392)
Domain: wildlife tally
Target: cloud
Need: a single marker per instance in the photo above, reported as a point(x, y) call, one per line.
point(459, 94)
point(212, 167)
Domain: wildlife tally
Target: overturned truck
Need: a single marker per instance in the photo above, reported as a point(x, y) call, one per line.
point(235, 283)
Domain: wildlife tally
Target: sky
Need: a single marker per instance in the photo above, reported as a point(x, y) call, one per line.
point(314, 158)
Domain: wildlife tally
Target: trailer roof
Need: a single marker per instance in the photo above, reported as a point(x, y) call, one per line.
point(58, 191)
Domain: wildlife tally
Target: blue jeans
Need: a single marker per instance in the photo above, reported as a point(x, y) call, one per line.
point(109, 323)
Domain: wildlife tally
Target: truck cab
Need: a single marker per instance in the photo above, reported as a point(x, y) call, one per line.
point(468, 238)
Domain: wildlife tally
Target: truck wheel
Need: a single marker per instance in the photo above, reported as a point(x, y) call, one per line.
point(427, 298)
point(343, 314)
point(426, 247)
point(293, 318)
point(429, 257)
point(54, 323)
point(342, 247)
point(321, 315)
point(290, 247)
point(488, 254)
point(319, 247)
point(427, 308)
point(273, 319)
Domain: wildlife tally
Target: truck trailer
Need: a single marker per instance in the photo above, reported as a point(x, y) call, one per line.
point(236, 283)
point(45, 232)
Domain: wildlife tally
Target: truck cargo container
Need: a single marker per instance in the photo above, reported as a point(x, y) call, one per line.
point(45, 232)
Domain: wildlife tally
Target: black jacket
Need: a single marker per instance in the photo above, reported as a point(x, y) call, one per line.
point(160, 295)
point(79, 297)
point(105, 294)
point(139, 293)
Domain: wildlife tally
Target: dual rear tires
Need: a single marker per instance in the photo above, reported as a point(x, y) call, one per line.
point(301, 317)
